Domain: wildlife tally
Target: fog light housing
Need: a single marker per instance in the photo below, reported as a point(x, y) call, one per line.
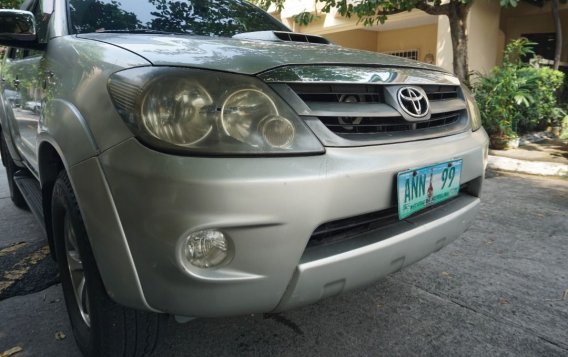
point(205, 249)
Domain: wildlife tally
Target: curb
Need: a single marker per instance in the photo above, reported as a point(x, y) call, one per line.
point(528, 167)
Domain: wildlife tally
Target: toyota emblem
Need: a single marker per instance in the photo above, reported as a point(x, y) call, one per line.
point(413, 101)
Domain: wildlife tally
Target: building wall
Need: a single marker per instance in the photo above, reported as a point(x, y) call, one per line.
point(530, 19)
point(422, 38)
point(484, 42)
point(359, 39)
point(444, 54)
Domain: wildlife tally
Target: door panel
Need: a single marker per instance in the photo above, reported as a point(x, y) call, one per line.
point(23, 91)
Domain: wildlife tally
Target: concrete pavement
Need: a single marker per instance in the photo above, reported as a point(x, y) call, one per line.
point(538, 154)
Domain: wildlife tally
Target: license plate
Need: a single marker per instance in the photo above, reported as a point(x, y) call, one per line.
point(424, 187)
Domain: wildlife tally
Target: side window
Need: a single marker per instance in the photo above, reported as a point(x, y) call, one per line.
point(16, 54)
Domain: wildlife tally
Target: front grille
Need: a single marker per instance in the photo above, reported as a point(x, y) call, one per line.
point(374, 125)
point(340, 230)
point(365, 113)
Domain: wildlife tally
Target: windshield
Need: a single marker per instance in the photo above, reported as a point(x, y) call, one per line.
point(198, 17)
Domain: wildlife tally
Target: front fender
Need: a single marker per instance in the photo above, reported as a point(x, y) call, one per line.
point(64, 128)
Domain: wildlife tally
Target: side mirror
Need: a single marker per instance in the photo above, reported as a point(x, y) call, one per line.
point(18, 29)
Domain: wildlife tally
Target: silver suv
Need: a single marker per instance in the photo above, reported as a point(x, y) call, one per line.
point(196, 158)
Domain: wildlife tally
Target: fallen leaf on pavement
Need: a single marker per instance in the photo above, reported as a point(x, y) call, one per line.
point(445, 274)
point(12, 351)
point(59, 336)
point(565, 296)
point(503, 301)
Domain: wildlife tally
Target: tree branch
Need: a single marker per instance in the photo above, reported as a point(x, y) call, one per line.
point(443, 9)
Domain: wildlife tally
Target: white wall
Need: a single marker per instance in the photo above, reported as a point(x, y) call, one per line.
point(444, 56)
point(484, 35)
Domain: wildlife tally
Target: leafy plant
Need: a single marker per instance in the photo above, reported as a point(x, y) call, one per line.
point(543, 109)
point(10, 4)
point(517, 97)
point(564, 132)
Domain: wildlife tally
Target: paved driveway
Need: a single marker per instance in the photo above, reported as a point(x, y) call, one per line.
point(501, 289)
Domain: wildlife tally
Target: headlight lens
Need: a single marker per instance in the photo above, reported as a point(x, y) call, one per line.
point(197, 111)
point(472, 109)
point(174, 111)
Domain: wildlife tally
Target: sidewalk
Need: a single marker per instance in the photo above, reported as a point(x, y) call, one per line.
point(537, 154)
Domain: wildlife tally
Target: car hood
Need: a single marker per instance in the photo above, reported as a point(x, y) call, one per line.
point(244, 56)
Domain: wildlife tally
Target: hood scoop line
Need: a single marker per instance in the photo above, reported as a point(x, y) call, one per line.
point(279, 36)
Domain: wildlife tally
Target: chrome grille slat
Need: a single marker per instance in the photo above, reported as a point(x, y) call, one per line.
point(447, 105)
point(351, 109)
point(373, 125)
point(332, 93)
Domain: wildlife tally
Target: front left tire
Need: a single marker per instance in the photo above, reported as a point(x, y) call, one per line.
point(101, 327)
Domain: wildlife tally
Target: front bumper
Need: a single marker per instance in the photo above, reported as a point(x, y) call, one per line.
point(269, 207)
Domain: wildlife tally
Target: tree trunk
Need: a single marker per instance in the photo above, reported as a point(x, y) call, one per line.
point(457, 13)
point(558, 25)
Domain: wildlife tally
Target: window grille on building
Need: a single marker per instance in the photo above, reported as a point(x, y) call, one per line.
point(410, 54)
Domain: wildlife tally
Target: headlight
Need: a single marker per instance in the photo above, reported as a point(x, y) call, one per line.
point(197, 111)
point(175, 111)
point(472, 109)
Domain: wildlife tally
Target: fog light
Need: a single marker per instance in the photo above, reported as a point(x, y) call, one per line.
point(205, 249)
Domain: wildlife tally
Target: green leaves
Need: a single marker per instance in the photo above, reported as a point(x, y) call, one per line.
point(523, 98)
point(10, 4)
point(517, 97)
point(304, 18)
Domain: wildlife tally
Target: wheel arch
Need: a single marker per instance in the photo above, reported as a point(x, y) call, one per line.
point(64, 141)
point(50, 165)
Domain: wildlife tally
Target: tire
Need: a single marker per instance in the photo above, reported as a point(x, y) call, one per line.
point(11, 168)
point(101, 327)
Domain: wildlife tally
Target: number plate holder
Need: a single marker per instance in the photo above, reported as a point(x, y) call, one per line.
point(423, 187)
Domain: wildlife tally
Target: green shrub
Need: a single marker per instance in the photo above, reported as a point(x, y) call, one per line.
point(517, 97)
point(543, 109)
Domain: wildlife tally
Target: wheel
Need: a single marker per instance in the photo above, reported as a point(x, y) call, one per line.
point(101, 327)
point(11, 168)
